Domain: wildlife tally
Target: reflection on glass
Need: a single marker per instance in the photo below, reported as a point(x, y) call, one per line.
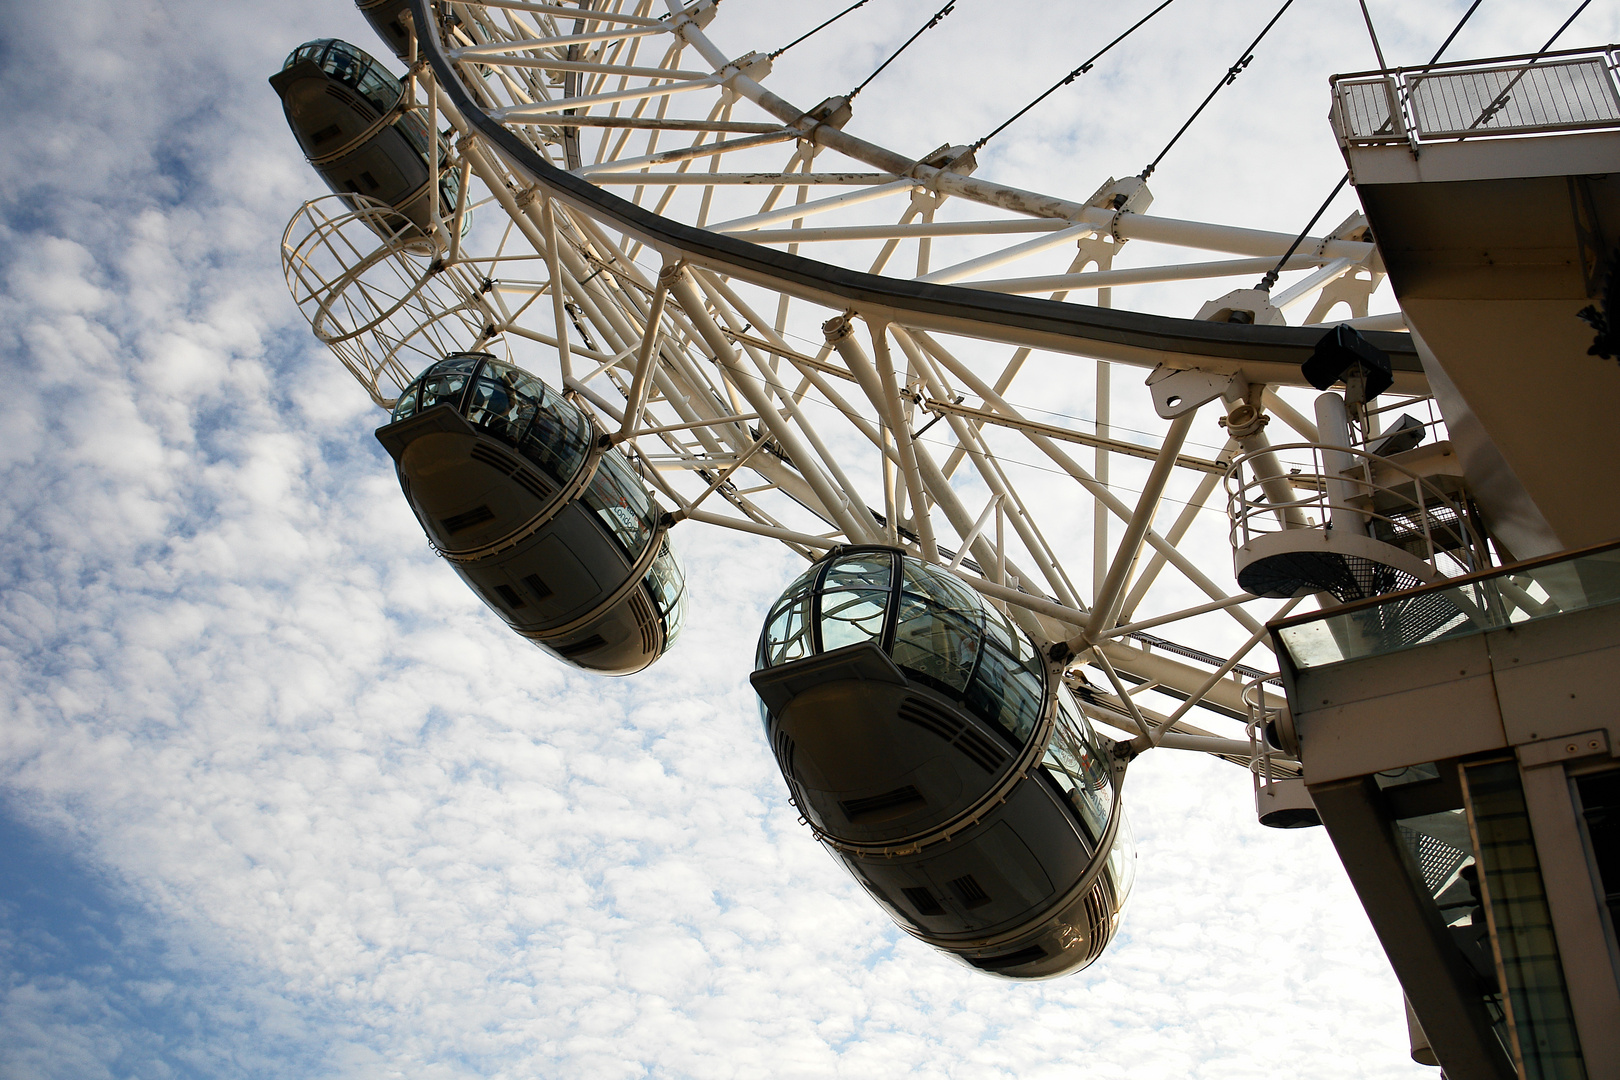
point(938, 630)
point(1542, 1019)
point(787, 628)
point(558, 438)
point(1006, 693)
point(855, 600)
point(443, 389)
point(1472, 606)
point(618, 500)
point(1073, 763)
point(668, 586)
point(499, 408)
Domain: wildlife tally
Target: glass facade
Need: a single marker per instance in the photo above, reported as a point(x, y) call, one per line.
point(932, 625)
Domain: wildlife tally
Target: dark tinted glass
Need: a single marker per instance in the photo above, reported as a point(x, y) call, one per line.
point(668, 587)
point(618, 500)
point(937, 633)
point(1006, 693)
point(1600, 805)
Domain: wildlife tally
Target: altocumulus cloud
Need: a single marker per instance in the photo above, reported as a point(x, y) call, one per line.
point(279, 798)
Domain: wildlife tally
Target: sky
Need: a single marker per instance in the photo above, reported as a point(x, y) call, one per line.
point(279, 797)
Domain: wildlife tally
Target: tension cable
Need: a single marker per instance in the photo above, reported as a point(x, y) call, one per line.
point(938, 17)
point(1226, 80)
point(823, 26)
point(1070, 77)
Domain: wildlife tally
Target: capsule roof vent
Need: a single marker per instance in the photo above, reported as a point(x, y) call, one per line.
point(930, 717)
point(1008, 960)
point(923, 900)
point(595, 641)
point(508, 465)
point(890, 804)
point(785, 750)
point(969, 891)
point(1097, 917)
point(464, 521)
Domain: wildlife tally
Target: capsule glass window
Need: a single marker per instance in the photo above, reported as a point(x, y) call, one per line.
point(443, 382)
point(937, 632)
point(618, 500)
point(405, 406)
point(855, 600)
point(1122, 859)
point(379, 87)
point(354, 68)
point(503, 401)
point(309, 50)
point(1006, 693)
point(1073, 762)
point(788, 627)
point(1013, 641)
point(558, 439)
point(668, 586)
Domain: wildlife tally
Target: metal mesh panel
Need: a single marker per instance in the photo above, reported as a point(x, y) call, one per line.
point(1437, 859)
point(1540, 97)
point(1366, 108)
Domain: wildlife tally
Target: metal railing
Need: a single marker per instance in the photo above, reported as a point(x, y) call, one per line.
point(1573, 90)
point(1491, 599)
point(1385, 499)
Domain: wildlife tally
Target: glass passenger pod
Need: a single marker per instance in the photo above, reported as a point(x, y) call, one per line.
point(344, 108)
point(559, 537)
point(388, 18)
point(917, 733)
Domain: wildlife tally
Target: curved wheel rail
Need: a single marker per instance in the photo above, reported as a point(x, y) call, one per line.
point(1269, 354)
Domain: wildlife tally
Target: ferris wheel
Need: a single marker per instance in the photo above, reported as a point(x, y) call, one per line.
point(607, 283)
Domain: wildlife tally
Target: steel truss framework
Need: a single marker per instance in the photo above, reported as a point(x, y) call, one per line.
point(643, 215)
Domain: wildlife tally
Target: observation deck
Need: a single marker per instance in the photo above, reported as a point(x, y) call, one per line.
point(1493, 191)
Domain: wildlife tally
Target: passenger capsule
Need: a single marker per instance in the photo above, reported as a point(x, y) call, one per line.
point(344, 107)
point(388, 18)
point(553, 531)
point(931, 748)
